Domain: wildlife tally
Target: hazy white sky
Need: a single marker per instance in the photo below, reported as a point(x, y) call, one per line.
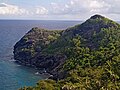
point(58, 9)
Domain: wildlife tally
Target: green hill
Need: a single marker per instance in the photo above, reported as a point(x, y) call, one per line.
point(83, 57)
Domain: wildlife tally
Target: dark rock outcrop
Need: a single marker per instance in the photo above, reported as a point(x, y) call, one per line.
point(29, 50)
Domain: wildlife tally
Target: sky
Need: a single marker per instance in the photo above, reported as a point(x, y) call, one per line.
point(58, 9)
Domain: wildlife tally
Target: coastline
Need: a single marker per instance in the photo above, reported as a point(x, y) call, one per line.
point(41, 71)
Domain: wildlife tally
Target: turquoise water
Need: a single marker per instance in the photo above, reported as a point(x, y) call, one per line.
point(12, 75)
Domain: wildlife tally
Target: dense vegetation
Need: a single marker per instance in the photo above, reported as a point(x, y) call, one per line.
point(93, 57)
point(33, 42)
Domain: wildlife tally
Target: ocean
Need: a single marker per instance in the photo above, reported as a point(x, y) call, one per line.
point(12, 75)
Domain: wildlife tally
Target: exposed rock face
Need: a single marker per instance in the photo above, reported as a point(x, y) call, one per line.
point(51, 63)
point(33, 42)
point(28, 51)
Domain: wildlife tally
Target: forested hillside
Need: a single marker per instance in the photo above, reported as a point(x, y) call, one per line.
point(83, 57)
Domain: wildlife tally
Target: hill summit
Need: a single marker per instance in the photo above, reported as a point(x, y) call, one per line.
point(97, 17)
point(95, 23)
point(83, 57)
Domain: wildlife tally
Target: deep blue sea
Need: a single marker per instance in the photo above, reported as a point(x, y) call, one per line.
point(12, 75)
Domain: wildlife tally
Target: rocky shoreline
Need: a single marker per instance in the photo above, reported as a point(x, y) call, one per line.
point(31, 50)
point(45, 72)
point(41, 71)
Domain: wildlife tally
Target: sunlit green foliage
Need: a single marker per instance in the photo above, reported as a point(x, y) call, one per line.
point(93, 57)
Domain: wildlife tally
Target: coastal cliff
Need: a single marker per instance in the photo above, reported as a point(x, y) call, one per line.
point(29, 50)
point(83, 57)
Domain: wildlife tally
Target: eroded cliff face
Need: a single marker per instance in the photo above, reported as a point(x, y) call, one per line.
point(34, 42)
point(29, 50)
